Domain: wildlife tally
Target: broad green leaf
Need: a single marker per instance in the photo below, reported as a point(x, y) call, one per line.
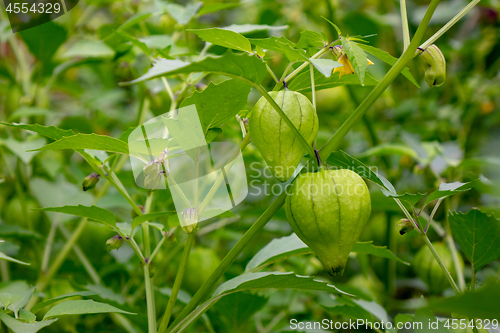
point(423, 318)
point(246, 28)
point(19, 327)
point(388, 59)
point(3, 256)
point(156, 42)
point(483, 303)
point(89, 49)
point(28, 111)
point(342, 160)
point(389, 149)
point(22, 301)
point(44, 40)
point(27, 316)
point(136, 42)
point(411, 198)
point(6, 299)
point(93, 213)
point(356, 56)
point(302, 82)
point(219, 102)
point(24, 149)
point(148, 217)
point(47, 131)
point(234, 311)
point(257, 281)
point(309, 38)
point(478, 235)
point(357, 308)
point(135, 19)
point(281, 45)
point(225, 38)
point(379, 251)
point(285, 247)
point(41, 305)
point(448, 189)
point(215, 7)
point(325, 66)
point(183, 14)
point(12, 230)
point(81, 307)
point(229, 64)
point(88, 141)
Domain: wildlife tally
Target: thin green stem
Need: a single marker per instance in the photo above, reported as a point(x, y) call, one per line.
point(313, 86)
point(448, 25)
point(453, 248)
point(270, 71)
point(287, 120)
point(157, 248)
point(441, 264)
point(434, 210)
point(473, 278)
point(150, 300)
point(404, 23)
point(177, 283)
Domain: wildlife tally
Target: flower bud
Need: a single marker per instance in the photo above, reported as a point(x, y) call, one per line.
point(114, 243)
point(404, 226)
point(435, 66)
point(189, 220)
point(90, 181)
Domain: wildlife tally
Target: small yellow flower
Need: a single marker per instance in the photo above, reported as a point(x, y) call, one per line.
point(347, 68)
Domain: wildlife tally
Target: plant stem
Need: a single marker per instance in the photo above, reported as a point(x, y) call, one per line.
point(404, 23)
point(400, 64)
point(287, 120)
point(434, 210)
point(448, 25)
point(148, 282)
point(177, 283)
point(453, 248)
point(270, 71)
point(313, 87)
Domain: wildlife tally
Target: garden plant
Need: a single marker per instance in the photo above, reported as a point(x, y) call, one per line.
point(252, 166)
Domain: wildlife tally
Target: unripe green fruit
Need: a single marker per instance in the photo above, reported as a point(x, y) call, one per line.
point(328, 210)
point(429, 271)
point(435, 66)
point(275, 140)
point(201, 264)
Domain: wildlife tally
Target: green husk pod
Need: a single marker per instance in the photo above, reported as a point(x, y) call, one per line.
point(328, 210)
point(275, 140)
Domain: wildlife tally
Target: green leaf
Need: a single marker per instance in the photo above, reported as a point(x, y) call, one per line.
point(357, 308)
point(28, 111)
point(325, 66)
point(257, 281)
point(136, 42)
point(388, 59)
point(3, 256)
point(388, 149)
point(81, 307)
point(22, 301)
point(88, 141)
point(342, 160)
point(148, 217)
point(47, 131)
point(379, 251)
point(135, 19)
point(483, 303)
point(24, 149)
point(234, 311)
point(219, 102)
point(11, 230)
point(334, 26)
point(93, 213)
point(183, 14)
point(281, 45)
point(286, 247)
point(448, 189)
point(309, 38)
point(225, 38)
point(229, 64)
point(89, 49)
point(27, 316)
point(356, 56)
point(246, 28)
point(19, 327)
point(41, 305)
point(44, 40)
point(215, 7)
point(478, 235)
point(302, 82)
